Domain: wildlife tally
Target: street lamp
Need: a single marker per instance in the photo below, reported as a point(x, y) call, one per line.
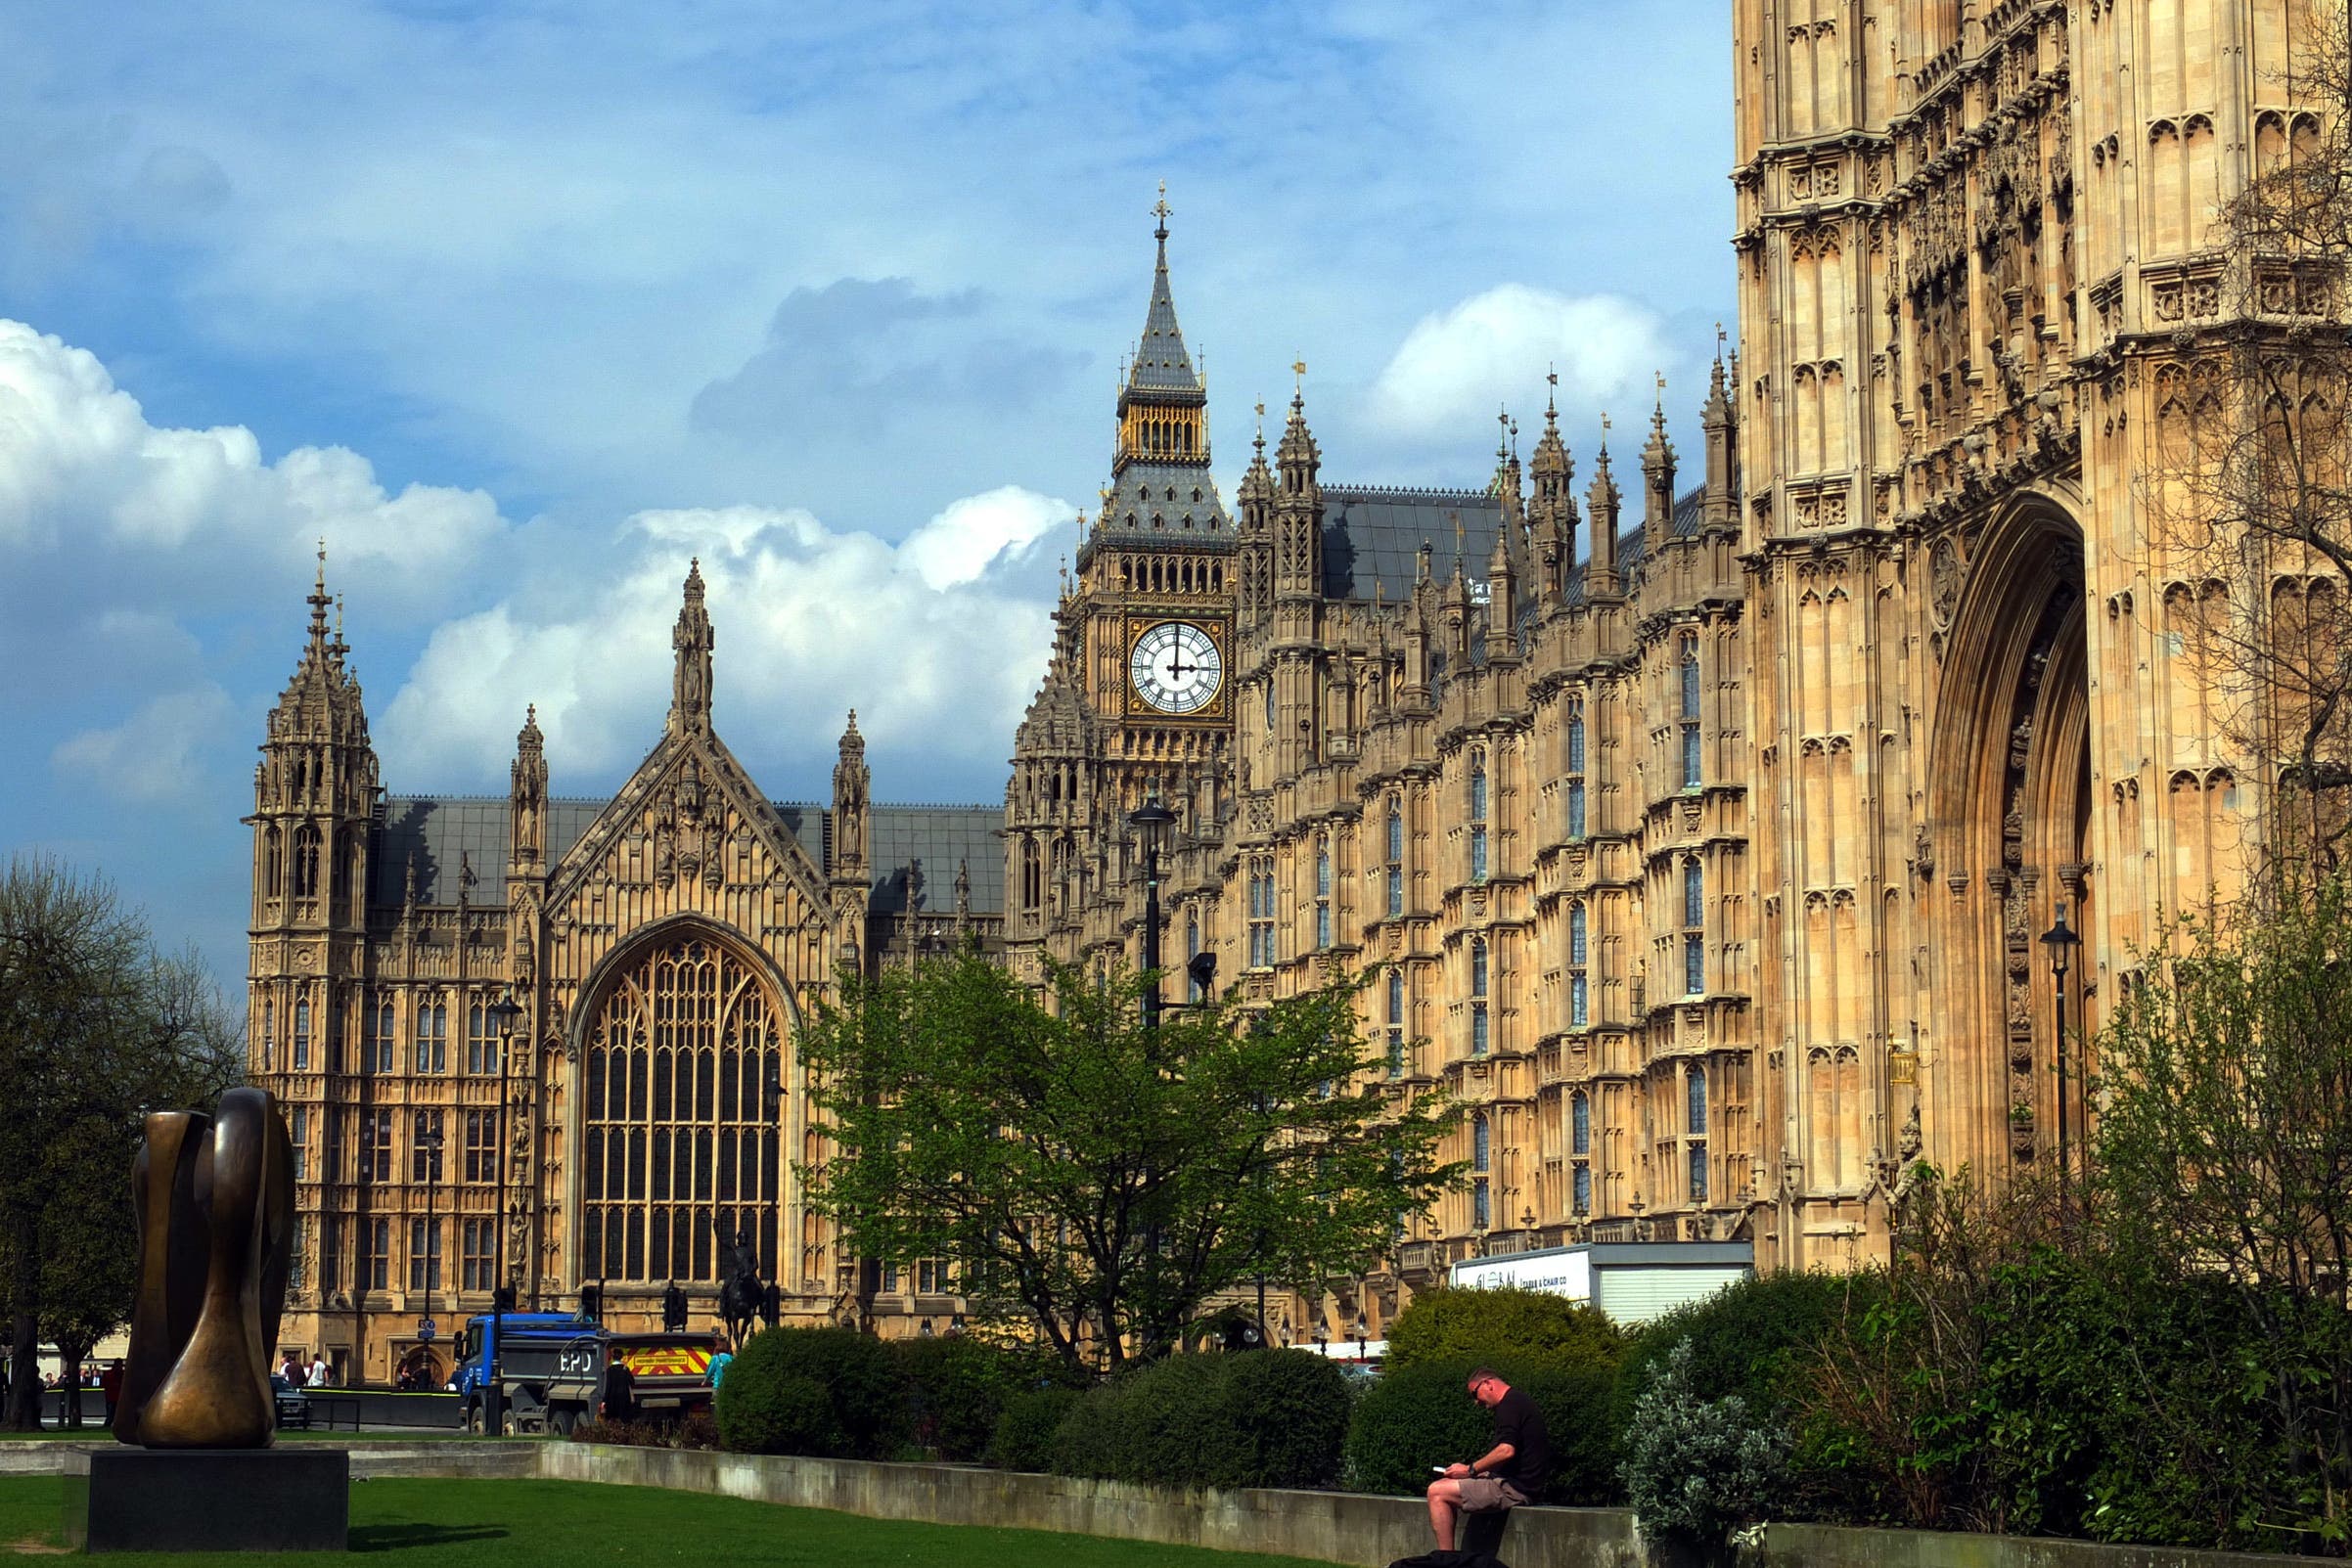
point(1635, 1206)
point(1152, 822)
point(429, 1143)
point(2062, 943)
point(503, 1012)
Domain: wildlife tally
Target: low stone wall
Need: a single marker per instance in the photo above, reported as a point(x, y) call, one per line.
point(1332, 1526)
point(477, 1461)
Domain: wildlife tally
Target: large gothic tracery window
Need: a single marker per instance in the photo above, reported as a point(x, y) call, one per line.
point(679, 1122)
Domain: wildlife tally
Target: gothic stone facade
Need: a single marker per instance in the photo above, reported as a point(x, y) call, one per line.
point(662, 946)
point(1706, 862)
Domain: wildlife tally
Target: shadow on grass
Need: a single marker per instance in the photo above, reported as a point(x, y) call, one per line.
point(413, 1536)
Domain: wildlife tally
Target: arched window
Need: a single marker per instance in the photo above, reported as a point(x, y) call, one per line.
point(1396, 1023)
point(273, 863)
point(1481, 1149)
point(1695, 919)
point(1580, 990)
point(1481, 1025)
point(432, 1036)
point(1192, 951)
point(1478, 786)
point(1688, 679)
point(301, 1034)
point(306, 862)
point(1396, 856)
point(269, 1034)
point(1580, 1125)
point(666, 1170)
point(1323, 893)
point(1699, 1102)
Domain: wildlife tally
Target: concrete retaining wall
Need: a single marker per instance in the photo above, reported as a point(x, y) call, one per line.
point(475, 1461)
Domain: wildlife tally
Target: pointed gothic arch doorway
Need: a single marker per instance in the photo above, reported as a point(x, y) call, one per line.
point(2009, 809)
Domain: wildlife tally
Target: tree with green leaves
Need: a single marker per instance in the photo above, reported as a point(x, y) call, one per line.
point(96, 1027)
point(1098, 1179)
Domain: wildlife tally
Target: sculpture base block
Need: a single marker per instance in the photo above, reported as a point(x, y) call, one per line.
point(211, 1499)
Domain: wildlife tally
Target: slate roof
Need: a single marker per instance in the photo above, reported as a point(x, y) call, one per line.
point(1373, 534)
point(916, 850)
point(1147, 490)
point(444, 832)
point(1162, 361)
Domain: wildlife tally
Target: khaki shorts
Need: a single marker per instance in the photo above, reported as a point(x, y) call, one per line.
point(1485, 1494)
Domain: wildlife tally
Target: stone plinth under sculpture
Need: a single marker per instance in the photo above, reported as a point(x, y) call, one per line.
point(213, 1201)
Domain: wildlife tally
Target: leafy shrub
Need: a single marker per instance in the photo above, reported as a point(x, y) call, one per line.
point(1752, 1338)
point(785, 1413)
point(697, 1431)
point(1025, 1431)
point(956, 1390)
point(1261, 1418)
point(1417, 1416)
point(1694, 1467)
point(1287, 1410)
point(1450, 1323)
point(864, 1413)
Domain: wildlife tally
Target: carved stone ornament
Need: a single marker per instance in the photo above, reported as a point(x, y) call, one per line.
point(1944, 574)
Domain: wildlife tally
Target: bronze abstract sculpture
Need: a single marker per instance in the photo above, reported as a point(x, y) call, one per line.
point(212, 1197)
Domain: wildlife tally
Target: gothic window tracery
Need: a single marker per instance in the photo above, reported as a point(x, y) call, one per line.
point(679, 1122)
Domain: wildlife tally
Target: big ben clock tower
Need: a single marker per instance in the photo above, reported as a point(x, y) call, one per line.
point(1155, 580)
point(1138, 705)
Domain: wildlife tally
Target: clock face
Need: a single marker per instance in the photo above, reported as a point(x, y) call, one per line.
point(1176, 667)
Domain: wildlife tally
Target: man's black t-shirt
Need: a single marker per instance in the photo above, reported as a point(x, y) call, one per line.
point(1521, 1425)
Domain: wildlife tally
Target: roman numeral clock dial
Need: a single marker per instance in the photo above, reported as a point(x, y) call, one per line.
point(1176, 668)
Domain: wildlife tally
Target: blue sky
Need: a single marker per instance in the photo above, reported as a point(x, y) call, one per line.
point(520, 305)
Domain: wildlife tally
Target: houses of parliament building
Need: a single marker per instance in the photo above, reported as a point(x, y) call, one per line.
point(1697, 809)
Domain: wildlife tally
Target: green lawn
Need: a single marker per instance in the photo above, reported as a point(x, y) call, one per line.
point(564, 1524)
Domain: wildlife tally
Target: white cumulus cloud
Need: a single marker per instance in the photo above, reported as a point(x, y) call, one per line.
point(81, 468)
point(1457, 366)
point(153, 757)
point(937, 641)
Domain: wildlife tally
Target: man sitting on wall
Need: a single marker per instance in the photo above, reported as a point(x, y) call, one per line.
point(1508, 1473)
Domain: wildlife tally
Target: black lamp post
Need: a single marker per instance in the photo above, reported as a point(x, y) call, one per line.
point(1152, 822)
point(429, 1143)
point(503, 1012)
point(2062, 943)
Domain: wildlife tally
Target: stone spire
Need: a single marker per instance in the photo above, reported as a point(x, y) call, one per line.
point(1162, 361)
point(1298, 507)
point(1657, 483)
point(1502, 600)
point(528, 796)
point(1720, 505)
point(1552, 511)
point(691, 639)
point(1601, 503)
point(851, 799)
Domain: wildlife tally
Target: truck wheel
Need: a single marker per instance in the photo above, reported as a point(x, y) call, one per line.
point(473, 1416)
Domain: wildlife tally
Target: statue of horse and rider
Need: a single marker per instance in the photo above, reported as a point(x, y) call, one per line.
point(742, 1297)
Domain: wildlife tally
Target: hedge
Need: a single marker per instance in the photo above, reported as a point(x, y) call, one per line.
point(1025, 1431)
point(956, 1392)
point(1421, 1416)
point(1261, 1418)
point(1450, 1322)
point(829, 1392)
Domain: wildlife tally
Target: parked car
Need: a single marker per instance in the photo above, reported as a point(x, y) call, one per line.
point(293, 1406)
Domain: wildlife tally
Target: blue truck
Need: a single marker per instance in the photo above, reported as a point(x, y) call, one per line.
point(555, 1369)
